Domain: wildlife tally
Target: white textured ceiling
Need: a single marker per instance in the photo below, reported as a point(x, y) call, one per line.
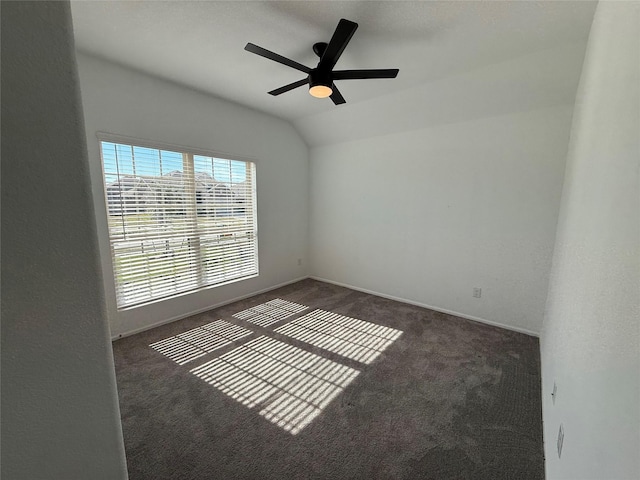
point(458, 60)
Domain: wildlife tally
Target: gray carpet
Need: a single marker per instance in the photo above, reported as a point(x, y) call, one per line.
point(329, 383)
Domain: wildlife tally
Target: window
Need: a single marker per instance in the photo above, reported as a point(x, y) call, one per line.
point(178, 221)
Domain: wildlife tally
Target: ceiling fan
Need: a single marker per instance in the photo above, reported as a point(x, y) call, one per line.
point(321, 78)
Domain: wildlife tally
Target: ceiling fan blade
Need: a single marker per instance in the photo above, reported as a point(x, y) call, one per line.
point(339, 40)
point(291, 86)
point(263, 52)
point(362, 74)
point(336, 96)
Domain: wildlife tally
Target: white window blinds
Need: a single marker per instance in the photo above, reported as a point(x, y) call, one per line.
point(178, 221)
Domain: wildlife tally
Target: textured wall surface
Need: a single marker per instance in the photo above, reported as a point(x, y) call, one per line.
point(591, 341)
point(121, 101)
point(429, 214)
point(60, 416)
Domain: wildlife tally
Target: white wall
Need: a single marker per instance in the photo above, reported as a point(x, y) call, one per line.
point(590, 343)
point(121, 101)
point(428, 214)
point(60, 416)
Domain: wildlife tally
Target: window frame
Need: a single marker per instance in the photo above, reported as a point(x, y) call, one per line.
point(192, 152)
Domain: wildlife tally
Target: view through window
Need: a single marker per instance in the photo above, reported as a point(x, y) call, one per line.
point(178, 221)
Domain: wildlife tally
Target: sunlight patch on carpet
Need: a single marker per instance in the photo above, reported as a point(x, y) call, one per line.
point(352, 338)
point(186, 347)
point(270, 312)
point(288, 385)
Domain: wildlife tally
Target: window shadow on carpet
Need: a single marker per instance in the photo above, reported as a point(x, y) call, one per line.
point(289, 385)
point(352, 338)
point(197, 342)
point(285, 384)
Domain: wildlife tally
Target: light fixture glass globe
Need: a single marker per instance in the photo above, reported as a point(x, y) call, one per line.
point(320, 91)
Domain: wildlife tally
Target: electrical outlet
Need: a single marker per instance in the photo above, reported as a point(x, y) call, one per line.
point(299, 261)
point(553, 393)
point(560, 440)
point(477, 292)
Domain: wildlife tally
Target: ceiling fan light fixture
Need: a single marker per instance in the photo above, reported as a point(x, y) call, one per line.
point(319, 84)
point(320, 91)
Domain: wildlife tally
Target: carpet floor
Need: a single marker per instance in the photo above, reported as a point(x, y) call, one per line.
point(316, 381)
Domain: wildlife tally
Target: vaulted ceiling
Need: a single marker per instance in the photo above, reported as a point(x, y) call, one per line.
point(458, 60)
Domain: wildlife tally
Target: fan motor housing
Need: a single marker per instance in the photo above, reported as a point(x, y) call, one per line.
point(319, 77)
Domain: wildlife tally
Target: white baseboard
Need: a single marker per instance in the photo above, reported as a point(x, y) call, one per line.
point(206, 309)
point(340, 284)
point(430, 307)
